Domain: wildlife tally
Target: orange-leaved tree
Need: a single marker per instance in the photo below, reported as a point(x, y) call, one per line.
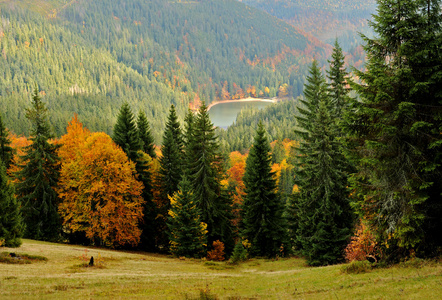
point(234, 182)
point(99, 192)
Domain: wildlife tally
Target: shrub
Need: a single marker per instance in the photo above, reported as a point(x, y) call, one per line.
point(363, 245)
point(357, 267)
point(218, 251)
point(239, 253)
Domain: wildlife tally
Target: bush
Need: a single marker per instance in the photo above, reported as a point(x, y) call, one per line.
point(239, 253)
point(218, 251)
point(357, 267)
point(363, 245)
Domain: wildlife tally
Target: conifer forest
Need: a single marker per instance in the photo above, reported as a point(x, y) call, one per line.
point(106, 138)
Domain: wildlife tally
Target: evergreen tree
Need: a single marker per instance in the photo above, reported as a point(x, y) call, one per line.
point(205, 171)
point(186, 231)
point(6, 152)
point(337, 76)
point(145, 135)
point(322, 208)
point(38, 177)
point(148, 226)
point(171, 170)
point(11, 222)
point(126, 133)
point(263, 224)
point(128, 137)
point(171, 161)
point(397, 125)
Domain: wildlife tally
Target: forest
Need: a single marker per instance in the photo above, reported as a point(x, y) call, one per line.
point(89, 57)
point(348, 171)
point(324, 19)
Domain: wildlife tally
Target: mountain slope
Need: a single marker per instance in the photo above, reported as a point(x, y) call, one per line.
point(324, 19)
point(90, 56)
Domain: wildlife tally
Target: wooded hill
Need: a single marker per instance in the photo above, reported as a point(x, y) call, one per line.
point(324, 19)
point(87, 57)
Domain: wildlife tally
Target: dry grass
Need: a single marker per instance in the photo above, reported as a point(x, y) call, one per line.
point(140, 275)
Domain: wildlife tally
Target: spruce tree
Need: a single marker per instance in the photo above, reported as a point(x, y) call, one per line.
point(171, 161)
point(6, 152)
point(145, 135)
point(187, 233)
point(127, 136)
point(126, 133)
point(397, 124)
point(38, 176)
point(205, 172)
point(337, 76)
point(11, 222)
point(323, 215)
point(170, 172)
point(262, 209)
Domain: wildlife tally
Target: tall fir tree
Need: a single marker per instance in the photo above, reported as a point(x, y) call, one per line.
point(187, 233)
point(170, 172)
point(128, 137)
point(262, 209)
point(38, 176)
point(323, 217)
point(171, 161)
point(338, 78)
point(125, 133)
point(205, 171)
point(145, 135)
point(397, 125)
point(11, 222)
point(6, 151)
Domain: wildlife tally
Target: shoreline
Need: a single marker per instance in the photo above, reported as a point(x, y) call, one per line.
point(249, 99)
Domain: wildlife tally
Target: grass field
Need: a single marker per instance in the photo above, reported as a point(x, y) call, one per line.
point(120, 274)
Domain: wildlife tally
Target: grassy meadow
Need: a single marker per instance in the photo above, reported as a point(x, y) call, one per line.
point(121, 274)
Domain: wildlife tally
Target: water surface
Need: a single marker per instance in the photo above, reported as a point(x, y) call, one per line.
point(224, 114)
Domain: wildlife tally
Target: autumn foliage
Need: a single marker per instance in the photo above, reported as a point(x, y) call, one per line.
point(363, 245)
point(217, 253)
point(99, 192)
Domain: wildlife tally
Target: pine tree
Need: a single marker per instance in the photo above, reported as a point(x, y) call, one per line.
point(126, 134)
point(11, 222)
point(187, 233)
point(205, 171)
point(145, 135)
point(6, 152)
point(262, 209)
point(38, 177)
point(397, 125)
point(323, 216)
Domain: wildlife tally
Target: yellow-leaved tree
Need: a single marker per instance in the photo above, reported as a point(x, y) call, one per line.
point(99, 193)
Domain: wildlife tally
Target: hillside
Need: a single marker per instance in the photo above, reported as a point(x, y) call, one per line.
point(87, 57)
point(325, 20)
point(120, 274)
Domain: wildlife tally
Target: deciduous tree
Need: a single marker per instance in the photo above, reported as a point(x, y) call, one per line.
point(100, 194)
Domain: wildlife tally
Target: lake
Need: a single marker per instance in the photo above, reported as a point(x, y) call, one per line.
point(224, 114)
